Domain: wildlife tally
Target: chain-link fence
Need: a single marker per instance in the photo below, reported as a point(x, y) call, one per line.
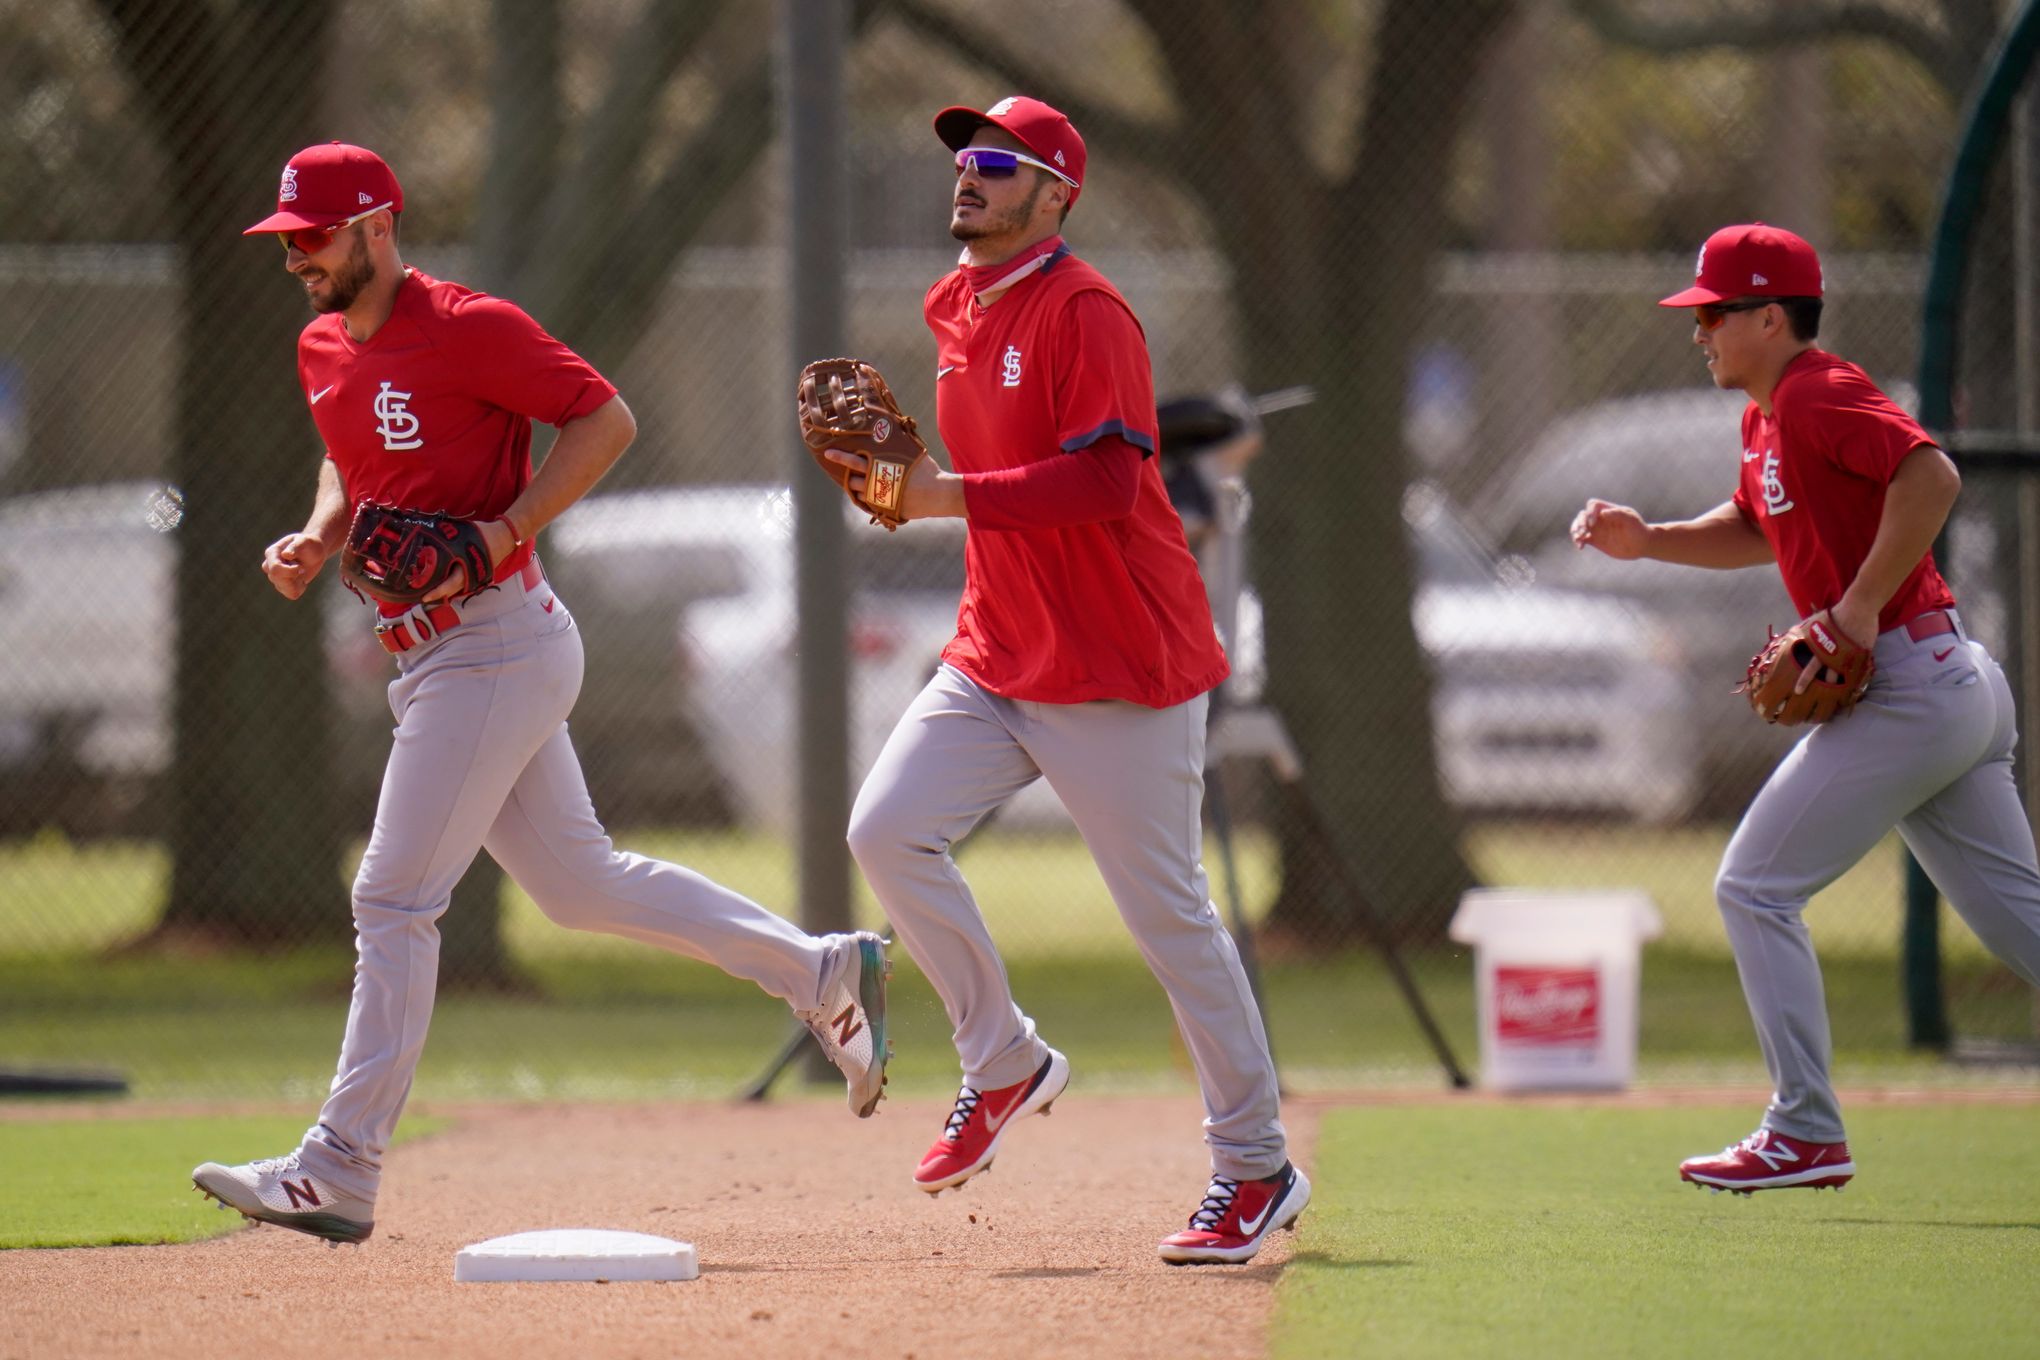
point(1450, 221)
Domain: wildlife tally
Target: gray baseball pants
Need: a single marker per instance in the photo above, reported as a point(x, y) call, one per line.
point(1928, 750)
point(482, 760)
point(1133, 780)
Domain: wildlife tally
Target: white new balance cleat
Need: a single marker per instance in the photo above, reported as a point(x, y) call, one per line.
point(280, 1191)
point(850, 1024)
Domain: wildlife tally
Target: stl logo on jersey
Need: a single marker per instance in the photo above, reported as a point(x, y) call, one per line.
point(394, 421)
point(1009, 365)
point(1776, 502)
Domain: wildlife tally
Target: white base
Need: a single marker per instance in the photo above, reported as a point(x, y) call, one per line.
point(576, 1254)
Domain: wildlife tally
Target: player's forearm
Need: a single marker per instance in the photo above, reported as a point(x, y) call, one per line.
point(328, 520)
point(1089, 486)
point(1916, 505)
point(1721, 539)
point(586, 449)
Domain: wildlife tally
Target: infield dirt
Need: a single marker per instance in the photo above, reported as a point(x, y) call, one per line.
point(812, 1243)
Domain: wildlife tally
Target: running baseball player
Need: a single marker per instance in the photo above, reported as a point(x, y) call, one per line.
point(1913, 721)
point(423, 393)
point(1084, 653)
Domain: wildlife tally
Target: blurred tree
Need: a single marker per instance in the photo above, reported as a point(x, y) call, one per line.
point(253, 841)
point(581, 225)
point(1948, 38)
point(1325, 188)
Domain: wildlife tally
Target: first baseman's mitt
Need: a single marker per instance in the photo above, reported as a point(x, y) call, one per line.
point(1844, 673)
point(845, 404)
point(403, 557)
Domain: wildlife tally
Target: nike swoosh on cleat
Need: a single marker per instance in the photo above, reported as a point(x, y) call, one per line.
point(1251, 1226)
point(322, 392)
point(1943, 656)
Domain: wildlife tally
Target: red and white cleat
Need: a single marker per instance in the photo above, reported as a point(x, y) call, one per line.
point(970, 1139)
point(1772, 1161)
point(1236, 1217)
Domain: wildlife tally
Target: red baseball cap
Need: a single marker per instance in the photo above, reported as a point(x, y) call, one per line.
point(1751, 260)
point(330, 183)
point(1041, 129)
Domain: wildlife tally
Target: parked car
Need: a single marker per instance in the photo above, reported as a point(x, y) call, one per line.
point(1531, 710)
point(1672, 455)
point(88, 627)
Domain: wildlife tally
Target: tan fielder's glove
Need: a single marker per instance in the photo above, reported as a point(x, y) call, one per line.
point(1844, 671)
point(845, 404)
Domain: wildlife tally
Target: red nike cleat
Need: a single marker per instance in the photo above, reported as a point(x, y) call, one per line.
point(1771, 1161)
point(1236, 1217)
point(971, 1137)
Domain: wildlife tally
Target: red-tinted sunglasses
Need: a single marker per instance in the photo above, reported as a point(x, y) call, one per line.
point(312, 240)
point(1710, 315)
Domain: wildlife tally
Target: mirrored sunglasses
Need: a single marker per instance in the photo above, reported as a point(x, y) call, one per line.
point(312, 240)
point(991, 162)
point(1710, 315)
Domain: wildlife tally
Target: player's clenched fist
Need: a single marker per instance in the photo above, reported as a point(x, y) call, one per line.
point(291, 562)
point(1616, 530)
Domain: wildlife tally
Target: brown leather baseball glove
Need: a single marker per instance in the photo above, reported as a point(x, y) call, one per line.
point(1844, 671)
point(403, 557)
point(845, 404)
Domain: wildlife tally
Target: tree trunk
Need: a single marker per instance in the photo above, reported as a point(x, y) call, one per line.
point(1344, 662)
point(253, 842)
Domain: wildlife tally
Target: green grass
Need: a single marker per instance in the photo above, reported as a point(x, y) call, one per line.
point(1541, 1230)
point(647, 1026)
point(112, 1182)
point(1041, 894)
point(610, 1018)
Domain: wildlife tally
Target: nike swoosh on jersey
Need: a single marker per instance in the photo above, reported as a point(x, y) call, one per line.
point(322, 392)
point(944, 371)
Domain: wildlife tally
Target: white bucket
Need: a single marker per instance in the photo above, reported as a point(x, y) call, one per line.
point(1556, 976)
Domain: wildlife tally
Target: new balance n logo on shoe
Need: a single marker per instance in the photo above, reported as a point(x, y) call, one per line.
point(301, 1193)
point(1775, 1155)
point(847, 1024)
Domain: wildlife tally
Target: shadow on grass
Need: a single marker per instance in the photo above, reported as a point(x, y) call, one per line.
point(1932, 1223)
point(1326, 1261)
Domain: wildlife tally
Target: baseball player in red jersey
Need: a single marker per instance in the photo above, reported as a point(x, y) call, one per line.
point(423, 393)
point(1846, 493)
point(1084, 654)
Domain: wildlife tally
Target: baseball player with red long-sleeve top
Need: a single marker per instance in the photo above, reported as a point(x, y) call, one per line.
point(423, 393)
point(1084, 652)
point(1846, 493)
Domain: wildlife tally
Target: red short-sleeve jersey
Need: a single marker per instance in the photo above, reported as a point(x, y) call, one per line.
point(1814, 474)
point(1107, 610)
point(433, 412)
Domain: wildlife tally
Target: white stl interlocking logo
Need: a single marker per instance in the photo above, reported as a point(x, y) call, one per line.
point(394, 421)
point(1009, 366)
point(1547, 1006)
point(287, 193)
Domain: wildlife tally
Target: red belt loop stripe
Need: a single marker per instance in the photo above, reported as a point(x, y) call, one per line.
point(1933, 623)
point(421, 625)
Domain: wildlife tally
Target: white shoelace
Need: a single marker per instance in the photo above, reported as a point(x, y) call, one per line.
point(966, 1106)
point(1217, 1200)
point(275, 1165)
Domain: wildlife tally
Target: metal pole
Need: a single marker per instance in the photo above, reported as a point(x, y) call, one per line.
point(817, 192)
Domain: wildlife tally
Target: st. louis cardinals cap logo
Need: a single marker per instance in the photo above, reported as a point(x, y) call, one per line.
point(287, 193)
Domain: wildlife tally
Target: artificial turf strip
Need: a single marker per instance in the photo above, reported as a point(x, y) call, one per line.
point(116, 1181)
point(1544, 1230)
